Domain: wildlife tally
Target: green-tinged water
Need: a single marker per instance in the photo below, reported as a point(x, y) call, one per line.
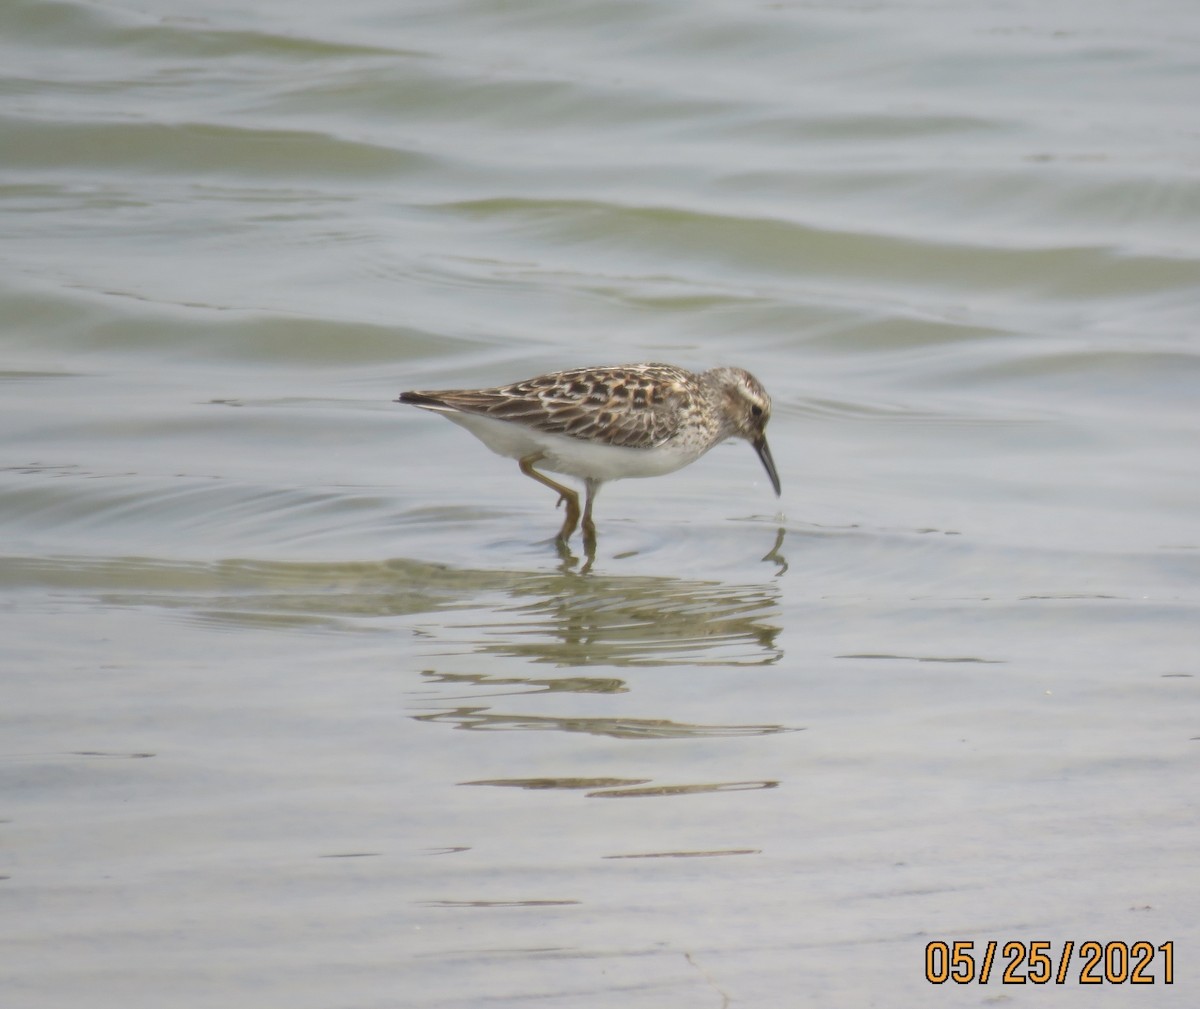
point(300, 706)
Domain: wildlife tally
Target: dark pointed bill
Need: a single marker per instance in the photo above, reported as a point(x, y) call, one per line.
point(764, 453)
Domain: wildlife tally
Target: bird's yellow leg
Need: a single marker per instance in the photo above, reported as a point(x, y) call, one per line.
point(565, 495)
point(589, 527)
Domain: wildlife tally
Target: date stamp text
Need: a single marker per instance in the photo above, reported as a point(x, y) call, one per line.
point(1042, 962)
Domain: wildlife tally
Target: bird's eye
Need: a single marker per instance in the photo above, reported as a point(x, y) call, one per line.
point(756, 410)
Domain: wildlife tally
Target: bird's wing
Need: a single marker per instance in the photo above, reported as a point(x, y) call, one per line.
point(634, 407)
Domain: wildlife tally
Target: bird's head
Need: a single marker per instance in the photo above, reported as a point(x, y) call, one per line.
point(747, 409)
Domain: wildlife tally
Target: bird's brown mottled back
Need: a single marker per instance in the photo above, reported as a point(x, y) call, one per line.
point(639, 406)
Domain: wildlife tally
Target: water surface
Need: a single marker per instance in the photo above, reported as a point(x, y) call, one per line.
point(302, 707)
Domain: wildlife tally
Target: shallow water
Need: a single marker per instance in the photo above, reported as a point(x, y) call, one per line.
point(301, 706)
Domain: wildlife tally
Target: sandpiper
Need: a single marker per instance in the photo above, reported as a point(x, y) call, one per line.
point(607, 423)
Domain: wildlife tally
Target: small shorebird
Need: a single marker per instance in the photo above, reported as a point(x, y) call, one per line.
point(630, 420)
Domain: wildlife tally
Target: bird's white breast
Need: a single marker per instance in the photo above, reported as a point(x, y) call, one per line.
point(575, 456)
